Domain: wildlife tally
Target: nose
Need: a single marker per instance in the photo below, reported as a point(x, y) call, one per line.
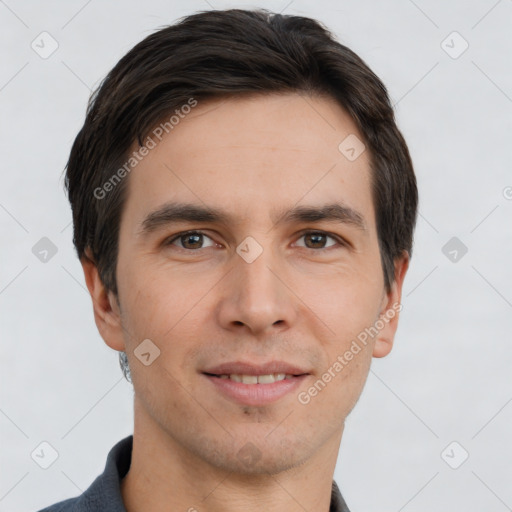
point(256, 297)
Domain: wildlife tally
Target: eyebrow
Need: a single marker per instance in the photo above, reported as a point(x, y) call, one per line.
point(186, 212)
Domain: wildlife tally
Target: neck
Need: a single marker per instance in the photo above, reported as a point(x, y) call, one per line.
point(164, 475)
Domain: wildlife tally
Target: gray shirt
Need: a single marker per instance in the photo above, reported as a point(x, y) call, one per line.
point(104, 494)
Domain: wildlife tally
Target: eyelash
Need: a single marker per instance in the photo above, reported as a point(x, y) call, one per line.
point(340, 241)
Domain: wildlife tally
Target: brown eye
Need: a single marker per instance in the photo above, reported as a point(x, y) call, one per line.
point(191, 240)
point(317, 240)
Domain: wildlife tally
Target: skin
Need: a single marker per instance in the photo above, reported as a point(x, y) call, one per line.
point(299, 301)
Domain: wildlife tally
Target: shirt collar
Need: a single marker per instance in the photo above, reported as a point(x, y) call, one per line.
point(105, 492)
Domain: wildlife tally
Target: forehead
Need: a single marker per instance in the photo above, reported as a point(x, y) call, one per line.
point(252, 153)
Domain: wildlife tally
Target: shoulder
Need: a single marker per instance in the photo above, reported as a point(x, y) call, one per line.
point(104, 494)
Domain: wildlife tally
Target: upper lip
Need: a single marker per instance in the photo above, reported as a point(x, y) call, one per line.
point(242, 368)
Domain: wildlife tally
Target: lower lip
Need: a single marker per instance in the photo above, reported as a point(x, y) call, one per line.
point(255, 394)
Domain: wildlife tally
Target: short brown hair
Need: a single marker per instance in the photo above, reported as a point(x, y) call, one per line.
point(221, 54)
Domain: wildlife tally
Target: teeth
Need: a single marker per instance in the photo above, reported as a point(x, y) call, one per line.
point(267, 379)
point(257, 379)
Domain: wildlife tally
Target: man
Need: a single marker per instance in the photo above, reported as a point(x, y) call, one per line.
point(243, 208)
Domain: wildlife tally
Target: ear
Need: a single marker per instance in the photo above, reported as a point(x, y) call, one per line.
point(390, 309)
point(106, 308)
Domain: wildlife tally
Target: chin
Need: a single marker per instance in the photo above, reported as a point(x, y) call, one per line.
point(256, 457)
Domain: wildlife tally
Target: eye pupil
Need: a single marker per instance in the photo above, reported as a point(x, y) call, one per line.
point(316, 238)
point(196, 236)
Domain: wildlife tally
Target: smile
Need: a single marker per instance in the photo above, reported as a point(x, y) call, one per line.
point(255, 379)
point(255, 390)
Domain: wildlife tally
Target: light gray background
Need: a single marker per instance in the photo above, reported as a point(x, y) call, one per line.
point(448, 377)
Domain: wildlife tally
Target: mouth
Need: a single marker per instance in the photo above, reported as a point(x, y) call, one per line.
point(268, 378)
point(256, 385)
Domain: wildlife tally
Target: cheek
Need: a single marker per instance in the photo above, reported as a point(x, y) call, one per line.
point(166, 309)
point(348, 312)
point(327, 400)
point(158, 300)
point(346, 305)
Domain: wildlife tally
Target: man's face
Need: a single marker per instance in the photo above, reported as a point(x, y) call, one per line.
point(298, 291)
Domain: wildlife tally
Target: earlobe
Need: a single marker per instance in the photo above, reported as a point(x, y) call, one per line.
point(106, 309)
point(387, 323)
